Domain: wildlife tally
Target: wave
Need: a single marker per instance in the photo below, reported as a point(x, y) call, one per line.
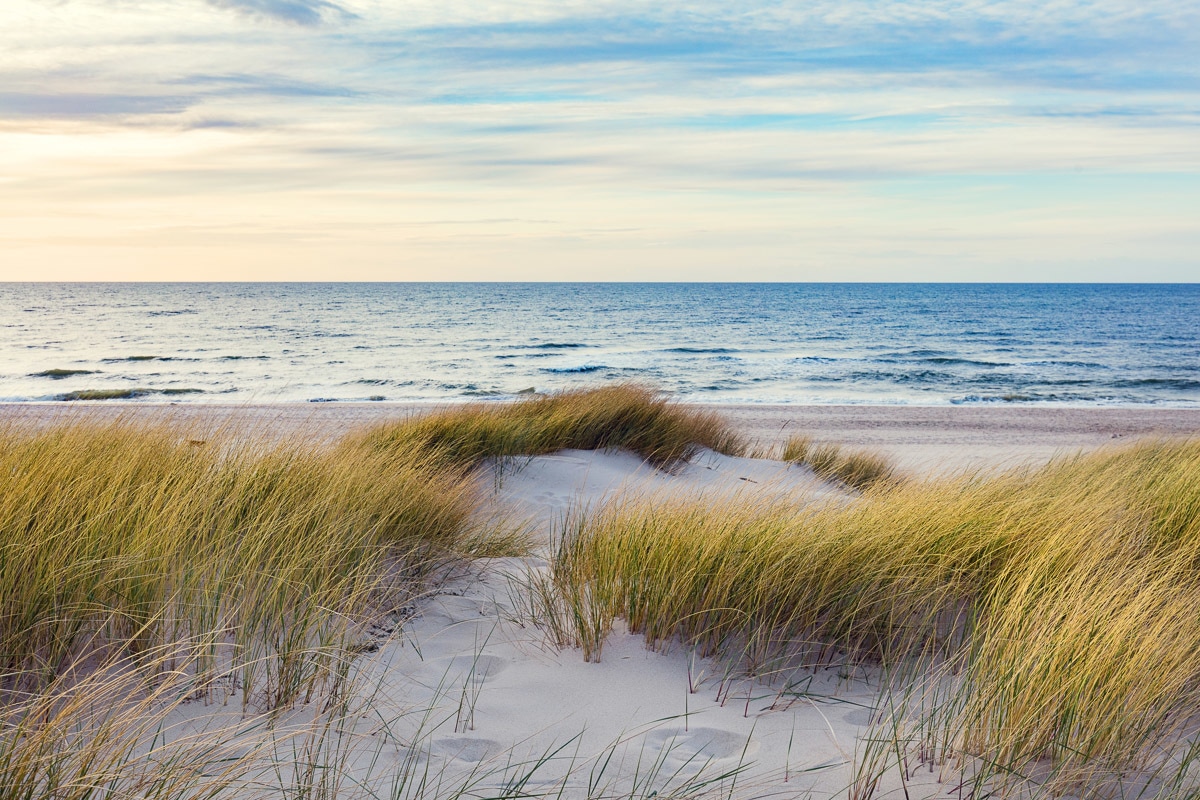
point(921, 377)
point(1075, 364)
point(580, 370)
point(968, 362)
point(59, 374)
point(122, 394)
point(552, 346)
point(543, 354)
point(1014, 397)
point(1177, 384)
point(701, 350)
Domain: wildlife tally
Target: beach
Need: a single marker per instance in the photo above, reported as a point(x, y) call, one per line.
point(467, 686)
point(922, 437)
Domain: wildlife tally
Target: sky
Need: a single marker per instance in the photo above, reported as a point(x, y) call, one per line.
point(825, 140)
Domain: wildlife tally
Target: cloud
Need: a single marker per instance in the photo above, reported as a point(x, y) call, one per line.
point(299, 12)
point(87, 105)
point(750, 110)
point(251, 85)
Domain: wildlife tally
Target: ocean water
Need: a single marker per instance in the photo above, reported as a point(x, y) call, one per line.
point(923, 344)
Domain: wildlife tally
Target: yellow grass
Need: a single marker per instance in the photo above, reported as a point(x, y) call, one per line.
point(137, 536)
point(1051, 613)
point(143, 565)
point(1039, 627)
point(858, 469)
point(627, 416)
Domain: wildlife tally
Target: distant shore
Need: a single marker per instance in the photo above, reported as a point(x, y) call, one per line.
point(923, 437)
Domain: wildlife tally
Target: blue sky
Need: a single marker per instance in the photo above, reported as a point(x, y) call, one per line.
point(360, 139)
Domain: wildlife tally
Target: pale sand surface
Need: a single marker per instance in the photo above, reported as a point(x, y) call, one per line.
point(948, 437)
point(920, 437)
point(469, 691)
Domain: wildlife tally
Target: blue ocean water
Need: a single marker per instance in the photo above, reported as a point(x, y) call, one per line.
point(769, 343)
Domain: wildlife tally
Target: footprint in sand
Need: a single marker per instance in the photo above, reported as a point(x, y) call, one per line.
point(859, 716)
point(454, 669)
point(700, 744)
point(465, 748)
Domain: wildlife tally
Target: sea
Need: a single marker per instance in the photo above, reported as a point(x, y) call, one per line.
point(919, 344)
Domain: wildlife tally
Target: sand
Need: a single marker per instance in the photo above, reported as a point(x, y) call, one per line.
point(469, 691)
point(920, 437)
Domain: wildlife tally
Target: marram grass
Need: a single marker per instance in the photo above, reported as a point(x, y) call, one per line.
point(627, 416)
point(143, 566)
point(1051, 613)
point(137, 536)
point(858, 469)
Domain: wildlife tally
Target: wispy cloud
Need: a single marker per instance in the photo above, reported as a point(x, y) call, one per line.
point(299, 12)
point(602, 115)
point(83, 105)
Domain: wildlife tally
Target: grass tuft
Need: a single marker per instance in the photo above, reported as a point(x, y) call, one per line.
point(625, 415)
point(143, 566)
point(129, 538)
point(858, 469)
point(1037, 623)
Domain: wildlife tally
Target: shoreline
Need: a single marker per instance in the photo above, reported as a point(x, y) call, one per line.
point(924, 438)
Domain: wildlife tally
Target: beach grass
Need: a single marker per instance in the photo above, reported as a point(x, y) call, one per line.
point(628, 416)
point(136, 536)
point(144, 565)
point(858, 469)
point(1034, 631)
point(1035, 623)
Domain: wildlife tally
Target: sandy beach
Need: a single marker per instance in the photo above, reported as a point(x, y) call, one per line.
point(917, 437)
point(466, 688)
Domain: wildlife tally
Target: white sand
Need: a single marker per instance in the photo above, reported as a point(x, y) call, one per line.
point(470, 693)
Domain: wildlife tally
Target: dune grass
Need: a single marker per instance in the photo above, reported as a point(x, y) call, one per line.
point(1038, 623)
point(143, 566)
point(1037, 629)
point(858, 469)
point(139, 536)
point(627, 416)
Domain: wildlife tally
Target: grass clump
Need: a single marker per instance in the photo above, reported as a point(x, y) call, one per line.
point(627, 416)
point(858, 469)
point(130, 538)
point(1039, 624)
point(144, 566)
